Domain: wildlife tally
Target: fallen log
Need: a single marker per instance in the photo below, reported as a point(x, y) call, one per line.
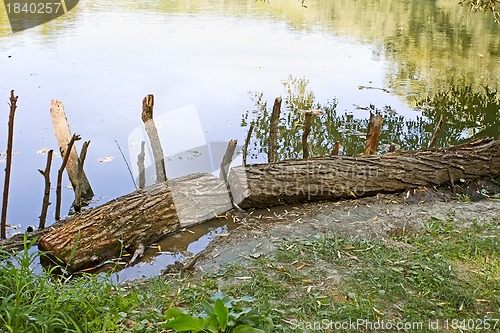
point(335, 177)
point(147, 215)
point(136, 220)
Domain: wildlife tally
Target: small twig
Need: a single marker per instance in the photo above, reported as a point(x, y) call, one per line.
point(436, 131)
point(247, 141)
point(74, 138)
point(10, 138)
point(272, 154)
point(78, 191)
point(226, 160)
point(128, 166)
point(46, 195)
point(140, 164)
point(307, 130)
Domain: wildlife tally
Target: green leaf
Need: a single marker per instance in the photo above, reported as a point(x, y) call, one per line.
point(186, 323)
point(173, 313)
point(247, 329)
point(222, 313)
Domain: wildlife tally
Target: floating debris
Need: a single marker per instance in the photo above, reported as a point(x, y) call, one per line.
point(106, 159)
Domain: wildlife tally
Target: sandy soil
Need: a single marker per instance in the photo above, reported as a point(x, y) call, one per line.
point(376, 217)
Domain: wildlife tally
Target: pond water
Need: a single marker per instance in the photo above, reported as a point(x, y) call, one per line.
point(215, 66)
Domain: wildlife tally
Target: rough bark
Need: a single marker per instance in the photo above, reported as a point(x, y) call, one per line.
point(63, 135)
point(373, 133)
point(326, 178)
point(136, 219)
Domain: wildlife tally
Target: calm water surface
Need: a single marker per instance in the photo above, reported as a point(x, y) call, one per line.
point(225, 62)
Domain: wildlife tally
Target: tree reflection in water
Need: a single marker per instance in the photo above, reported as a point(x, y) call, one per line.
point(467, 114)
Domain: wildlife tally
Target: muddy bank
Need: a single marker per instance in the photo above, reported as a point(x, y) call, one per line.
point(378, 217)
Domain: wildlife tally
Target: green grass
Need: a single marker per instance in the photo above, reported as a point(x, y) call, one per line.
point(447, 273)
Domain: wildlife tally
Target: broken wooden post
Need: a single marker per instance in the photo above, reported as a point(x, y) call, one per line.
point(247, 142)
point(373, 133)
point(436, 131)
point(46, 193)
point(305, 133)
point(226, 160)
point(154, 139)
point(140, 164)
point(78, 193)
point(69, 148)
point(335, 149)
point(10, 139)
point(63, 135)
point(272, 154)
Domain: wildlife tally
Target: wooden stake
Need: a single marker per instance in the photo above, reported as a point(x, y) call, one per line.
point(10, 138)
point(373, 133)
point(46, 193)
point(78, 193)
point(140, 164)
point(154, 139)
point(272, 154)
point(436, 131)
point(226, 160)
point(247, 142)
point(307, 130)
point(336, 148)
point(74, 138)
point(63, 135)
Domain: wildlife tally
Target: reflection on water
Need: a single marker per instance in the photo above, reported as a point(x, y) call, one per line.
point(178, 247)
point(104, 56)
point(467, 114)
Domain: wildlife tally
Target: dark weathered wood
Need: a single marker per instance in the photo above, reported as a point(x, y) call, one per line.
point(305, 134)
point(63, 136)
point(373, 133)
point(263, 185)
point(226, 160)
point(247, 142)
point(436, 132)
point(272, 154)
point(74, 138)
point(154, 139)
point(8, 164)
point(78, 191)
point(136, 219)
point(46, 193)
point(140, 164)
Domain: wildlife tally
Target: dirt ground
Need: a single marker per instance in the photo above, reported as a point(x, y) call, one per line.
point(379, 217)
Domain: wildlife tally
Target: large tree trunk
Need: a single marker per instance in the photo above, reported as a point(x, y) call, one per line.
point(147, 215)
point(136, 220)
point(336, 177)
